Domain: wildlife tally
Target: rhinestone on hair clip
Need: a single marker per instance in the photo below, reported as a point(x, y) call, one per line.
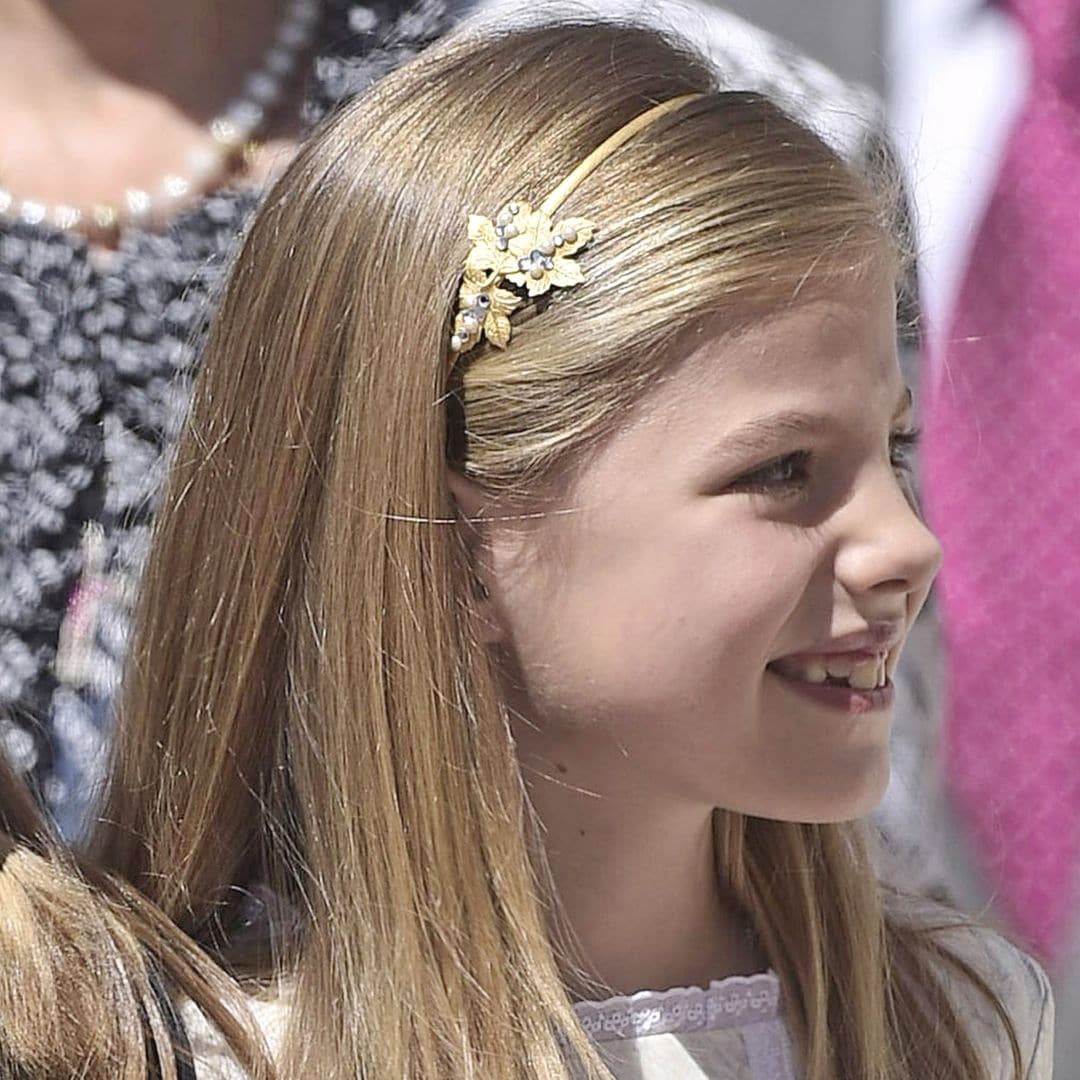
point(525, 247)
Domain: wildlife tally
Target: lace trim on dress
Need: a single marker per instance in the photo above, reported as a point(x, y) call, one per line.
point(727, 1003)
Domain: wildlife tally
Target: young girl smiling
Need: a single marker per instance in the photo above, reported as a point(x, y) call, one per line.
point(518, 627)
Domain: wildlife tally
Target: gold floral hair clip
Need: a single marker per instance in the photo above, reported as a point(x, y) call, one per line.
point(521, 246)
point(525, 247)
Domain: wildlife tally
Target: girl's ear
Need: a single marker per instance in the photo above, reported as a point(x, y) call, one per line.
point(468, 498)
point(470, 504)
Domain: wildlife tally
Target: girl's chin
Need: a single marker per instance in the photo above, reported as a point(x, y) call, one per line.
point(822, 787)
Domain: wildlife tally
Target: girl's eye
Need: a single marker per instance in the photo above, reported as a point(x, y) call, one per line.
point(789, 474)
point(784, 476)
point(902, 447)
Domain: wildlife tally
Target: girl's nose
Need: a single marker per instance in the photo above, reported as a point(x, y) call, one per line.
point(886, 544)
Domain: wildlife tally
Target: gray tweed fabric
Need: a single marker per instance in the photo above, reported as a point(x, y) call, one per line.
point(95, 362)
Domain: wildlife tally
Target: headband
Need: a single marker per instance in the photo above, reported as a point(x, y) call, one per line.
point(525, 247)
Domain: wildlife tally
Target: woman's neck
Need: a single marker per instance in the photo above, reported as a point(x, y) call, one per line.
point(113, 95)
point(638, 885)
point(189, 53)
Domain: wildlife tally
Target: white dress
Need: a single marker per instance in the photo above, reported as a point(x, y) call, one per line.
point(735, 1029)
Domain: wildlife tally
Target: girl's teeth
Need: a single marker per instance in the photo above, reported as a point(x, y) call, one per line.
point(840, 669)
point(865, 676)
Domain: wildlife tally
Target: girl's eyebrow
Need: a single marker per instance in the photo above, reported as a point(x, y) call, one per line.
point(762, 432)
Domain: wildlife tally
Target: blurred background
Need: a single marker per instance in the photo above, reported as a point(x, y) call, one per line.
point(844, 34)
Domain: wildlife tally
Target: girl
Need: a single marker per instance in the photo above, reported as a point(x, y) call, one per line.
point(517, 631)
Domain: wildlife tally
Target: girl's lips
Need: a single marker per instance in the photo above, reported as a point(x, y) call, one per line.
point(843, 699)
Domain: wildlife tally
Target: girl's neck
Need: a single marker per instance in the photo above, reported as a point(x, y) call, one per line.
point(638, 886)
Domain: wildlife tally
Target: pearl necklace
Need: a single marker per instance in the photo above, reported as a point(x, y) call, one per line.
point(232, 133)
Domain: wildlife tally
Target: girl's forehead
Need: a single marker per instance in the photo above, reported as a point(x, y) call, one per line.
point(807, 348)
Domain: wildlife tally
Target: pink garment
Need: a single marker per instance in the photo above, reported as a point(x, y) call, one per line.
point(1002, 489)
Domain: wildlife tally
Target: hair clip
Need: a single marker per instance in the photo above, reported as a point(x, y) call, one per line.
point(524, 247)
point(521, 246)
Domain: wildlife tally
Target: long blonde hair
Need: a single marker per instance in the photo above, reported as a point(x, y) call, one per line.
point(307, 704)
point(88, 966)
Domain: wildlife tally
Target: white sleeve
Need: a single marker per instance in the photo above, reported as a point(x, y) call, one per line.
point(1041, 1062)
point(213, 1058)
point(1024, 990)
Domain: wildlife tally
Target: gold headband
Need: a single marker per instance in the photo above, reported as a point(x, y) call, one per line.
point(525, 247)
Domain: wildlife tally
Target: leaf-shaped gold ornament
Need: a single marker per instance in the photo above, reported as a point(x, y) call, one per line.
point(565, 273)
point(580, 228)
point(546, 249)
point(497, 330)
point(485, 254)
point(521, 246)
point(489, 308)
point(474, 284)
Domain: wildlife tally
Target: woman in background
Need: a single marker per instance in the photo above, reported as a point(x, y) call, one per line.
point(136, 141)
